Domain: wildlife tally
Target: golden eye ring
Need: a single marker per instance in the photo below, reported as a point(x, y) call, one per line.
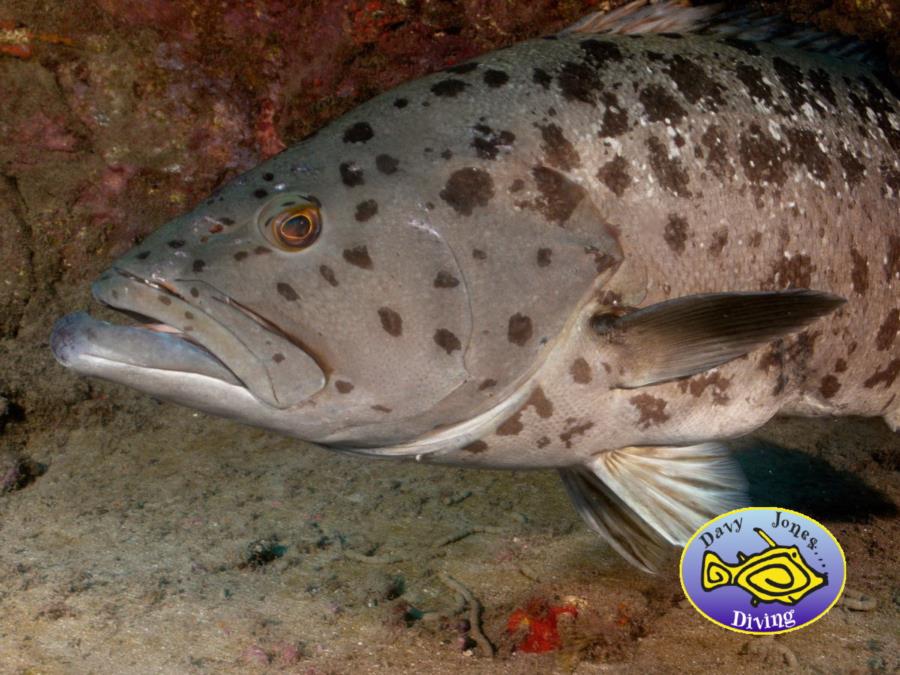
point(297, 228)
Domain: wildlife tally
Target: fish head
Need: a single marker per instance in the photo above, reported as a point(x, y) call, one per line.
point(319, 309)
point(387, 277)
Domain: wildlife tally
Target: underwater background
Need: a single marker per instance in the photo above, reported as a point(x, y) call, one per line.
point(137, 536)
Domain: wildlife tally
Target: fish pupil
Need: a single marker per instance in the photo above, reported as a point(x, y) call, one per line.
point(296, 228)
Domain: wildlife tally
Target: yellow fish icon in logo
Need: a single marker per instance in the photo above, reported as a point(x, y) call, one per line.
point(775, 574)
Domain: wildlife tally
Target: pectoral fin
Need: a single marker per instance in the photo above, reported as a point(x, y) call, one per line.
point(642, 500)
point(607, 515)
point(681, 337)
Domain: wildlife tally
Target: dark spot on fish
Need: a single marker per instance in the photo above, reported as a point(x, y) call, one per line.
point(487, 142)
point(519, 330)
point(888, 330)
point(381, 408)
point(226, 221)
point(164, 299)
point(542, 442)
point(600, 52)
point(391, 321)
point(198, 266)
point(859, 274)
point(614, 174)
point(544, 257)
point(445, 280)
point(558, 151)
point(719, 240)
point(401, 103)
point(854, 170)
point(287, 291)
point(351, 175)
point(668, 170)
point(241, 255)
point(676, 233)
point(885, 376)
point(462, 68)
point(365, 210)
point(821, 82)
point(602, 260)
point(343, 386)
point(475, 447)
point(578, 82)
point(268, 176)
point(176, 243)
point(358, 256)
point(543, 407)
point(792, 78)
point(495, 78)
point(386, 164)
point(840, 366)
point(278, 357)
point(652, 410)
point(448, 88)
point(467, 189)
point(892, 259)
point(446, 340)
point(517, 186)
point(660, 105)
point(328, 274)
point(762, 158)
point(143, 255)
point(512, 426)
point(262, 250)
point(358, 133)
point(259, 193)
point(487, 384)
point(574, 429)
point(559, 197)
point(580, 370)
point(615, 118)
point(700, 383)
point(194, 292)
point(743, 45)
point(478, 254)
point(891, 180)
point(829, 386)
point(805, 150)
point(541, 77)
point(189, 316)
point(694, 82)
point(446, 154)
point(752, 78)
point(793, 272)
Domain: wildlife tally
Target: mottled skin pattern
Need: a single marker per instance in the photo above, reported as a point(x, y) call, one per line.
point(474, 221)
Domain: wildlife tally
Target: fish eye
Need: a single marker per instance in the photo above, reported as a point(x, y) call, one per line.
point(296, 228)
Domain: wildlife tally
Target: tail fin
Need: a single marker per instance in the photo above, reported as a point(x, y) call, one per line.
point(715, 572)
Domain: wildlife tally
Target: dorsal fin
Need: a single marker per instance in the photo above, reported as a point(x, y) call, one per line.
point(642, 16)
point(740, 23)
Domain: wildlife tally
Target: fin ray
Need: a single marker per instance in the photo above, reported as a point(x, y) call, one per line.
point(665, 492)
point(607, 515)
point(688, 335)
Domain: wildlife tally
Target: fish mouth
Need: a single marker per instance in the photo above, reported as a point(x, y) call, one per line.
point(174, 340)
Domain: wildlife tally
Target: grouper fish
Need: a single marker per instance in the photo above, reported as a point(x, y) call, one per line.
point(605, 252)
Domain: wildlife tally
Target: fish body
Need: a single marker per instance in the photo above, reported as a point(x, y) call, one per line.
point(589, 252)
point(775, 574)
